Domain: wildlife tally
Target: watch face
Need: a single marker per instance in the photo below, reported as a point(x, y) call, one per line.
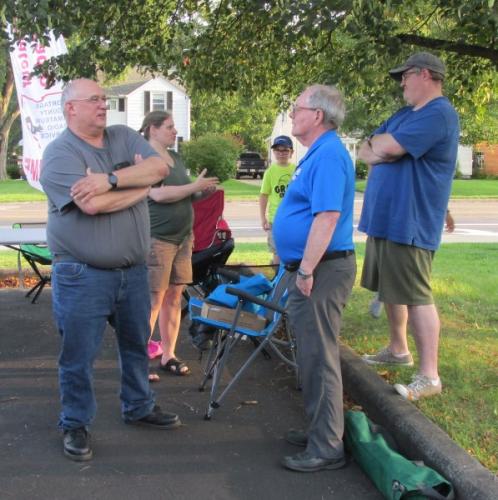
point(113, 180)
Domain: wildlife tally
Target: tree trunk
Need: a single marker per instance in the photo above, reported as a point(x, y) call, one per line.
point(4, 143)
point(7, 118)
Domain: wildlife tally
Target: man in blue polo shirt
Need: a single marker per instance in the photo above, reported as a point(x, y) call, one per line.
point(313, 232)
point(413, 158)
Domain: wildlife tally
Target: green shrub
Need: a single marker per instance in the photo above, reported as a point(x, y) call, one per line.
point(361, 169)
point(13, 171)
point(215, 152)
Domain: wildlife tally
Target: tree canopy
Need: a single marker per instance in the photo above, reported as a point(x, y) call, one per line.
point(257, 47)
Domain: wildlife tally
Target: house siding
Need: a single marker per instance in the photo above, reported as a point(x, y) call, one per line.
point(134, 107)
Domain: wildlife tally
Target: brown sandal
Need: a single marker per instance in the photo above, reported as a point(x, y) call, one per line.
point(176, 367)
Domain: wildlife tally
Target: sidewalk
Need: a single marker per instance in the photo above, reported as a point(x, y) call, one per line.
point(234, 456)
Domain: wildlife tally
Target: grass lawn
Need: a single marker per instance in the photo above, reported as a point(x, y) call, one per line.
point(471, 188)
point(464, 283)
point(237, 190)
point(17, 190)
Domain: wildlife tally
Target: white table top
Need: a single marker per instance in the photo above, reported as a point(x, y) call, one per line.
point(23, 235)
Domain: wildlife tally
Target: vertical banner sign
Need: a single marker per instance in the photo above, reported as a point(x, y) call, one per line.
point(41, 114)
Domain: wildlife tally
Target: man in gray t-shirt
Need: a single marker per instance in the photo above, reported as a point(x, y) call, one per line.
point(98, 232)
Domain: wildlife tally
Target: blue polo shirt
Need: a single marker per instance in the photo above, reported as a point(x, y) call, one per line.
point(323, 181)
point(406, 201)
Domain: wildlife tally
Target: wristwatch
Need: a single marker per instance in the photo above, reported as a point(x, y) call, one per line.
point(113, 180)
point(303, 275)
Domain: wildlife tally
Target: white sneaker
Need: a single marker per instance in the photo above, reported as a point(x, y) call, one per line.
point(421, 387)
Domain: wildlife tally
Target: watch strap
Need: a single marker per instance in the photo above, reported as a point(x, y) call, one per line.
point(303, 275)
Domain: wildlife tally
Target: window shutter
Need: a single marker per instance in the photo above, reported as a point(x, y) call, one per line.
point(146, 102)
point(169, 101)
point(121, 104)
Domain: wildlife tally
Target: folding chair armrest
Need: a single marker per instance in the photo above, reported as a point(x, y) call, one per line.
point(242, 294)
point(231, 275)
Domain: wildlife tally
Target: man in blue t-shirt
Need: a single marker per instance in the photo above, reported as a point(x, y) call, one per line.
point(412, 157)
point(313, 233)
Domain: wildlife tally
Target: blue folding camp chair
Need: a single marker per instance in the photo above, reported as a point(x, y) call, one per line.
point(269, 308)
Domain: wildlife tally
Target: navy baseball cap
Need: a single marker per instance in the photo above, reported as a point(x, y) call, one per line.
point(282, 140)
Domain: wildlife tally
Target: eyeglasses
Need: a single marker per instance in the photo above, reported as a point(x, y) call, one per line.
point(281, 150)
point(295, 108)
point(94, 99)
point(406, 74)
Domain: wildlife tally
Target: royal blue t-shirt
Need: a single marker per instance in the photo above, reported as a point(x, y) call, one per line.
point(406, 201)
point(323, 181)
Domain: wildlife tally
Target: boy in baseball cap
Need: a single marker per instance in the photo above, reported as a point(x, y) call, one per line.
point(275, 180)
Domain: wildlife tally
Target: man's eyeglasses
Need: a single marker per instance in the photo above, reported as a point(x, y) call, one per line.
point(94, 99)
point(406, 74)
point(282, 150)
point(296, 108)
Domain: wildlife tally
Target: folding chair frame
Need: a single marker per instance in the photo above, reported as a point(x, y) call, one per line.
point(226, 341)
point(32, 259)
point(42, 279)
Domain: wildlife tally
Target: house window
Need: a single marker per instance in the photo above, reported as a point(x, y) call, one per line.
point(161, 101)
point(112, 104)
point(121, 104)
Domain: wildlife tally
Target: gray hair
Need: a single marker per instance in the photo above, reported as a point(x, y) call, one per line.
point(69, 92)
point(330, 101)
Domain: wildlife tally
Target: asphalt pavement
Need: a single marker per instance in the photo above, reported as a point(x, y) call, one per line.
point(234, 456)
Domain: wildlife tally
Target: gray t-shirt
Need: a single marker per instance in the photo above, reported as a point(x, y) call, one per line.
point(105, 241)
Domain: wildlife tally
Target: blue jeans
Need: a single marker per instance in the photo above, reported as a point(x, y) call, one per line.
point(84, 300)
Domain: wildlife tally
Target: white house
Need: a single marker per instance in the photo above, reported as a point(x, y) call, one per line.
point(130, 102)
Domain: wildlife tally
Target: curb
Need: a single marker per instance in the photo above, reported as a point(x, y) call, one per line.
point(417, 437)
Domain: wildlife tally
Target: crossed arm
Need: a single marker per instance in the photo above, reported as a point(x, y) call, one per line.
point(382, 148)
point(92, 194)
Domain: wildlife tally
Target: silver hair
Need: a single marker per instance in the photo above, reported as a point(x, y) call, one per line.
point(330, 101)
point(69, 92)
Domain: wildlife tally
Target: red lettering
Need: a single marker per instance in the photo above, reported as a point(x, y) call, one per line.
point(32, 167)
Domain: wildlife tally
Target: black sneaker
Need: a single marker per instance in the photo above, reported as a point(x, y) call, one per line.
point(77, 444)
point(297, 438)
point(304, 462)
point(157, 419)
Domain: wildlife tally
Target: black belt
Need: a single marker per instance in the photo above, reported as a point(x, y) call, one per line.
point(67, 258)
point(339, 254)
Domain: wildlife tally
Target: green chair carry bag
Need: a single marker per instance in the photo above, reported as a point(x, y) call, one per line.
point(394, 475)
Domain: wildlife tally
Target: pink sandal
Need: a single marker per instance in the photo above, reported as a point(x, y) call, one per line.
point(154, 349)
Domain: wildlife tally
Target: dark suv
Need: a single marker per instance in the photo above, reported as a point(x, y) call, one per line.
point(252, 164)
